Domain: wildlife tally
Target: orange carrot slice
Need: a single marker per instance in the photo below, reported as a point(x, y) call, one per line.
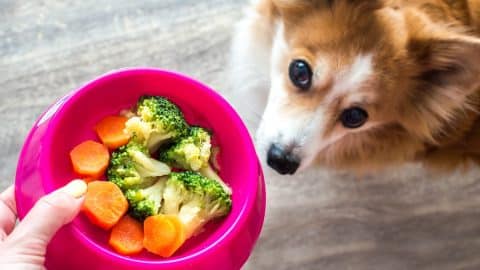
point(110, 131)
point(163, 235)
point(90, 159)
point(104, 204)
point(127, 236)
point(88, 179)
point(181, 234)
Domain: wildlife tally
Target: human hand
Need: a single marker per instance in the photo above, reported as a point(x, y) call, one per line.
point(24, 246)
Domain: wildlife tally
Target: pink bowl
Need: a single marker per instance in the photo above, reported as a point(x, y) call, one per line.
point(44, 165)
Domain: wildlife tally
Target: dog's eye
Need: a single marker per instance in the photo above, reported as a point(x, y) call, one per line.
point(300, 74)
point(354, 117)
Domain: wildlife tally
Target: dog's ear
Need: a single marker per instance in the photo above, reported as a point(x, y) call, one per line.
point(451, 64)
point(445, 71)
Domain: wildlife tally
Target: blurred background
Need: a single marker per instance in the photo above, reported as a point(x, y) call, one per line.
point(404, 219)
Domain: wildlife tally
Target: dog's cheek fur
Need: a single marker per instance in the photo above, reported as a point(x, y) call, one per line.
point(372, 150)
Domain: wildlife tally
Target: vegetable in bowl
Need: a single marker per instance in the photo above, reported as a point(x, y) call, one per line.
point(157, 120)
point(193, 152)
point(195, 199)
point(188, 197)
point(146, 202)
point(174, 195)
point(131, 167)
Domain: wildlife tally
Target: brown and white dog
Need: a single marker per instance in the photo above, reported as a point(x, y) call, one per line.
point(361, 85)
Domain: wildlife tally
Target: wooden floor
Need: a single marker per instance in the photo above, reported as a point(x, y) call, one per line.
point(400, 220)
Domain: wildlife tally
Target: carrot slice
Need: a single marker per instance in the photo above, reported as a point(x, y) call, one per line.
point(127, 236)
point(104, 204)
point(90, 159)
point(110, 131)
point(88, 179)
point(163, 235)
point(181, 234)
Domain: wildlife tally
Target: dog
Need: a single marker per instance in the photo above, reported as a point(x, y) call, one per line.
point(360, 85)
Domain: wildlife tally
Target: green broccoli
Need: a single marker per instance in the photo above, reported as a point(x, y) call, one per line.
point(193, 153)
point(195, 199)
point(146, 202)
point(131, 167)
point(158, 120)
point(209, 172)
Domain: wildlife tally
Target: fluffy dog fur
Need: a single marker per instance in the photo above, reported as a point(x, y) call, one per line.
point(414, 66)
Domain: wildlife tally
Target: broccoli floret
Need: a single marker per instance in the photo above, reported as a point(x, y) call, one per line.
point(131, 167)
point(158, 120)
point(195, 199)
point(209, 172)
point(146, 202)
point(193, 153)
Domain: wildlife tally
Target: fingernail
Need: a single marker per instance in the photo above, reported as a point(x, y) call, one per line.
point(76, 188)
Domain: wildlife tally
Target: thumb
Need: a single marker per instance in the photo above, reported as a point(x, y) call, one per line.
point(49, 214)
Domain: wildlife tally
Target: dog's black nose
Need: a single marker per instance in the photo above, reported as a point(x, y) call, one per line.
point(284, 162)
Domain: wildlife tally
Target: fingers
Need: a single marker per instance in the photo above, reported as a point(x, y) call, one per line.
point(8, 212)
point(50, 213)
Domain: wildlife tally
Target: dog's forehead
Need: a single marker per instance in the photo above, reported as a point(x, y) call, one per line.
point(348, 29)
point(351, 77)
point(351, 84)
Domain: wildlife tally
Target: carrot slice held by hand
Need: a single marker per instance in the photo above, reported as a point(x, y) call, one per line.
point(104, 204)
point(127, 236)
point(90, 159)
point(110, 131)
point(163, 235)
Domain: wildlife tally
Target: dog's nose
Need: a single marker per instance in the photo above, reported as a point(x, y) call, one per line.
point(284, 162)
